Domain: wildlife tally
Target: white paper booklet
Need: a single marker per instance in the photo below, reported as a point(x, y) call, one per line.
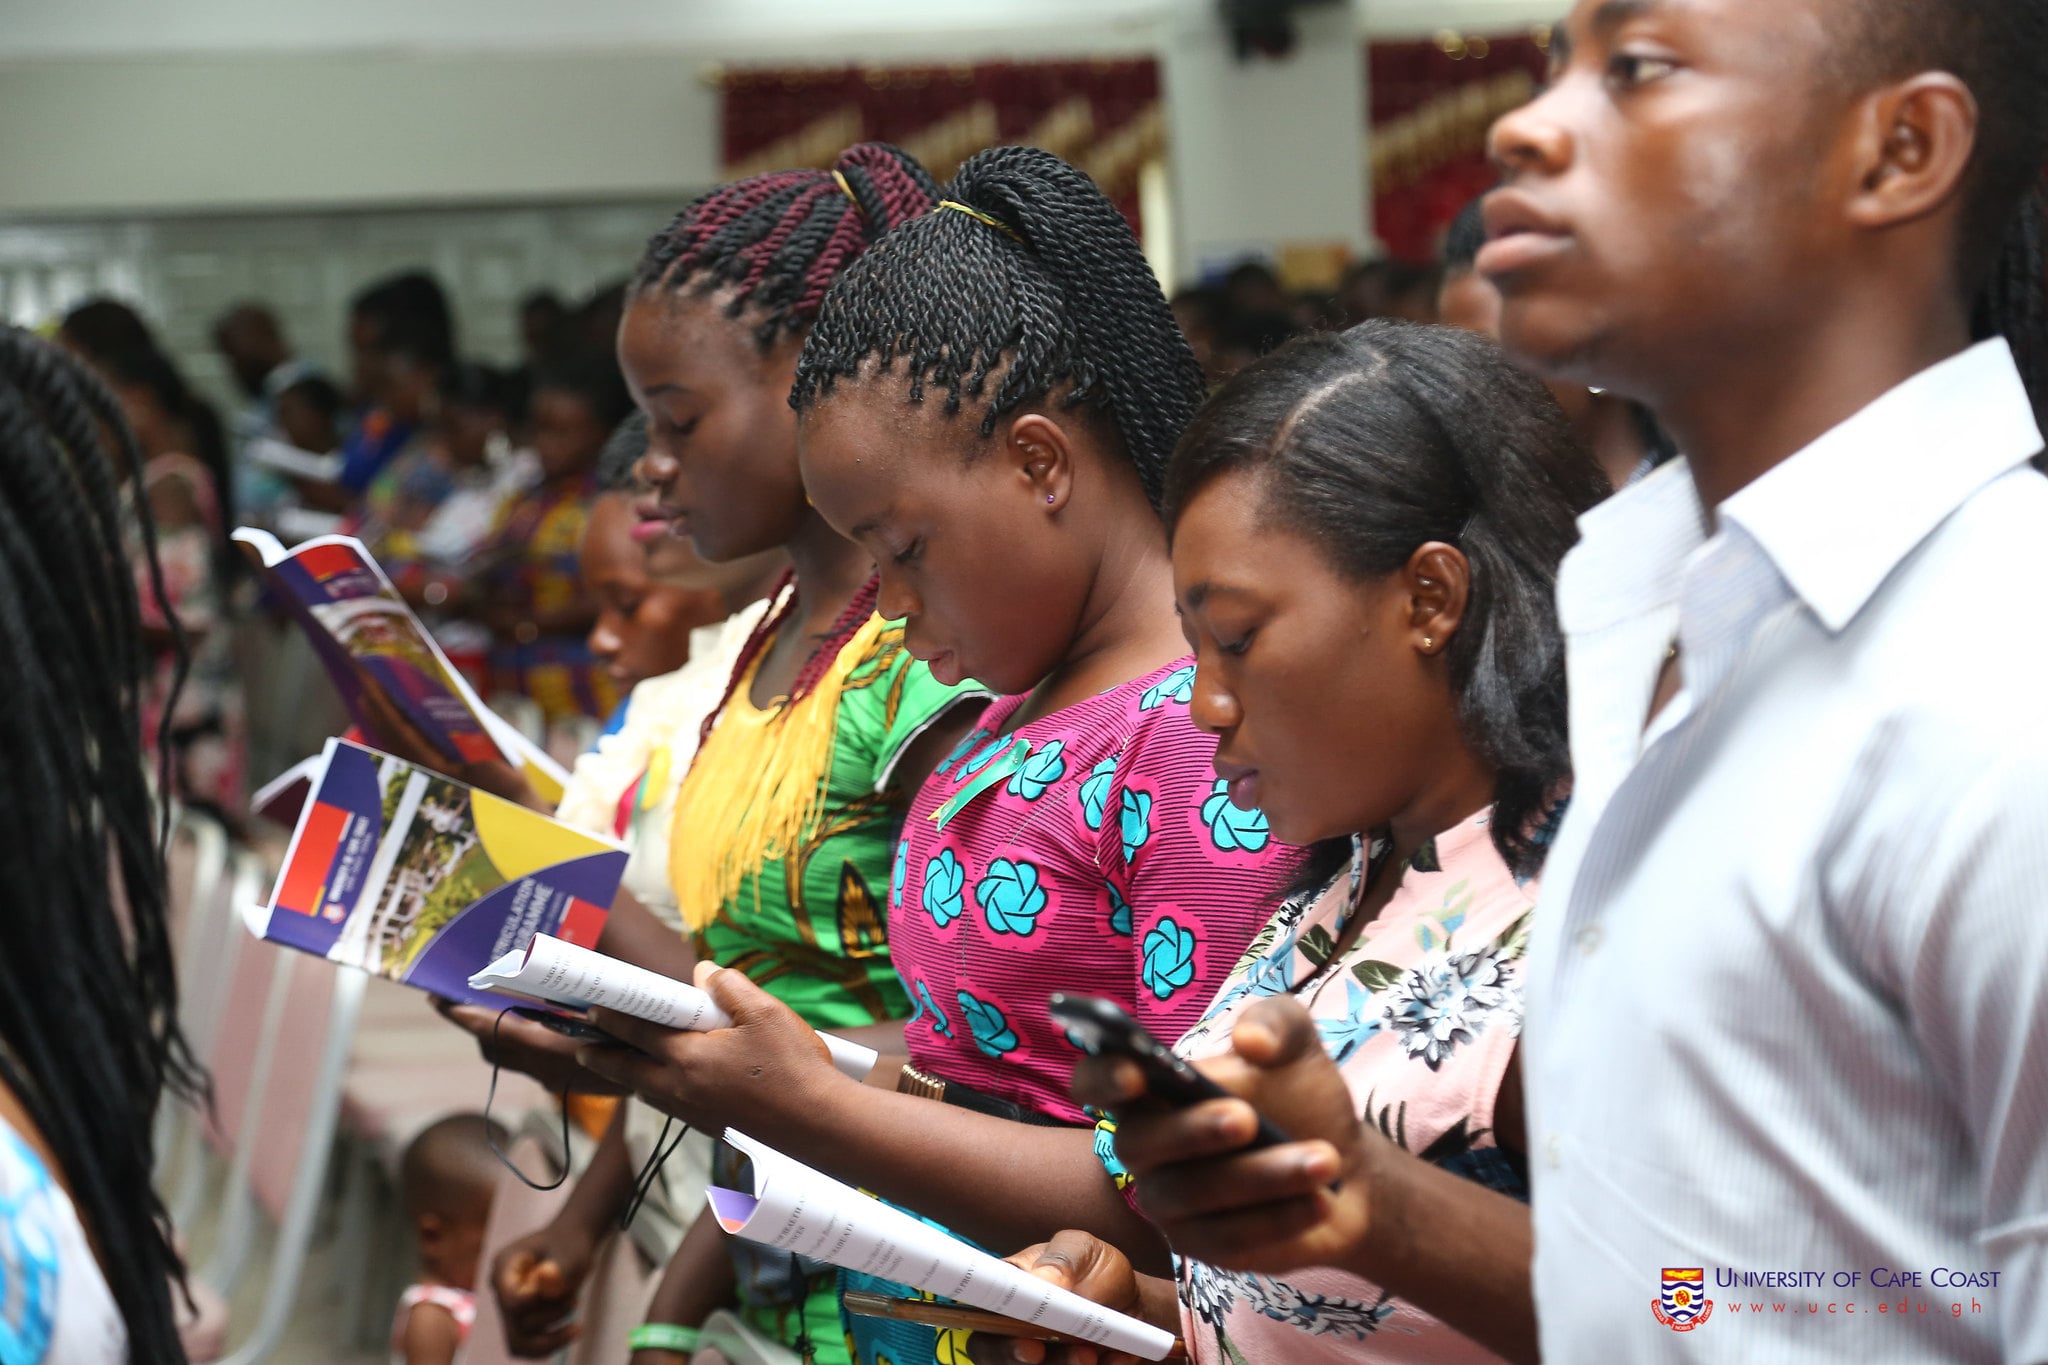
point(794, 1208)
point(576, 978)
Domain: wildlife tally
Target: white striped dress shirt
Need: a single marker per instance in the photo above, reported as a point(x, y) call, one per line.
point(1788, 997)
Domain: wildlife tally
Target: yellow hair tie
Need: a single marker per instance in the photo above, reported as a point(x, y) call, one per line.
point(847, 190)
point(980, 217)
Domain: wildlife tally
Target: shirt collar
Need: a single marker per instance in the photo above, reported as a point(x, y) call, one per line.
point(1838, 517)
point(1632, 551)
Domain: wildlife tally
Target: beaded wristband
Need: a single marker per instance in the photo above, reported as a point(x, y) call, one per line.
point(665, 1336)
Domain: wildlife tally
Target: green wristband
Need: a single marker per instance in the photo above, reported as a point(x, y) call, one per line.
point(665, 1336)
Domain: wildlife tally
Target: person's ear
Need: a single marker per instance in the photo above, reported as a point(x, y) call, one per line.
point(1040, 453)
point(1438, 579)
point(432, 1229)
point(1913, 146)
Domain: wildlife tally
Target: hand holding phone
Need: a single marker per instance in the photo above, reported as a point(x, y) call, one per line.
point(568, 1025)
point(1101, 1028)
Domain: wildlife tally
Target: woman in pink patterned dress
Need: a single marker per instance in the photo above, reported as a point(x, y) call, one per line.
point(1367, 530)
point(1077, 840)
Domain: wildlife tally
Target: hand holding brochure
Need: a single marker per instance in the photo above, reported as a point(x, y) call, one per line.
point(559, 973)
point(409, 875)
point(794, 1208)
point(370, 641)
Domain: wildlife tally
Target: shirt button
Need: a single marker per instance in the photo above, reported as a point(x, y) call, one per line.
point(1553, 1152)
point(1589, 939)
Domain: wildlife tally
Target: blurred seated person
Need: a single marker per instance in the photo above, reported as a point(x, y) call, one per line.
point(406, 312)
point(542, 316)
point(308, 414)
point(419, 475)
point(1252, 287)
point(528, 590)
point(1200, 310)
point(202, 730)
point(1622, 436)
point(1246, 337)
point(252, 342)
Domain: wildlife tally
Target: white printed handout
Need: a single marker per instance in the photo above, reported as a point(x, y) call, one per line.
point(794, 1208)
point(576, 978)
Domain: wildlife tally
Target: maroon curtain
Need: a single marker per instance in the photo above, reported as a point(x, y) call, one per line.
point(1101, 115)
point(1431, 106)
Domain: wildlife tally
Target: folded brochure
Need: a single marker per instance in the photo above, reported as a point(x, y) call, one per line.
point(572, 977)
point(406, 874)
point(795, 1208)
point(368, 638)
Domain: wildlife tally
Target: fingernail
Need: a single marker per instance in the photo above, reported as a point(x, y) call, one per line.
point(1320, 1165)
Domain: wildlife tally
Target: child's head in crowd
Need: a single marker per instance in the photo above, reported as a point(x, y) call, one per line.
point(309, 414)
point(651, 588)
point(989, 399)
point(408, 312)
point(578, 400)
point(446, 1179)
point(475, 410)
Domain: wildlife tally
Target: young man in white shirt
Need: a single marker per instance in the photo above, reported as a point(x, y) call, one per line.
point(1787, 1040)
point(1787, 1036)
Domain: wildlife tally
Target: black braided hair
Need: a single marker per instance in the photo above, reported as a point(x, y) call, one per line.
point(1369, 445)
point(1999, 48)
point(1054, 298)
point(89, 1039)
point(778, 240)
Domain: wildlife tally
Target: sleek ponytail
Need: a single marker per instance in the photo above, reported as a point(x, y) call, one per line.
point(1392, 435)
point(1025, 285)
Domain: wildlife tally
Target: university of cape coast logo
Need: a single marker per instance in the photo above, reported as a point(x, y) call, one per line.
point(1684, 1304)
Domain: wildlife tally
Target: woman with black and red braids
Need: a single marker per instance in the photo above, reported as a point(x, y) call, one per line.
point(786, 824)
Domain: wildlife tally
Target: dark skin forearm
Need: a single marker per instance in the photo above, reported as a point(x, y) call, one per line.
point(1454, 1249)
point(632, 934)
point(699, 1280)
point(601, 1192)
point(999, 1183)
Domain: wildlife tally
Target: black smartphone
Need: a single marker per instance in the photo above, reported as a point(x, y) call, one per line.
point(582, 1030)
point(1101, 1028)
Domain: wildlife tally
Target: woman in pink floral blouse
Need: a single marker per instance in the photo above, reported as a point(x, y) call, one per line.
point(1367, 530)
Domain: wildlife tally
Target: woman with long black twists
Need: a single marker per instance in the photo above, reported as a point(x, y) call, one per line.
point(987, 402)
point(89, 1040)
point(786, 821)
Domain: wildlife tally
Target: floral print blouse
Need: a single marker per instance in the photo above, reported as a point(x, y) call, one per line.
point(1422, 1015)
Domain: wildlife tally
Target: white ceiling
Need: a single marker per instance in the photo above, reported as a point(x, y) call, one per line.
point(790, 29)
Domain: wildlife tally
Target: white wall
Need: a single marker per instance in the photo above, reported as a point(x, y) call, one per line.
point(102, 135)
point(238, 105)
point(1268, 152)
point(795, 29)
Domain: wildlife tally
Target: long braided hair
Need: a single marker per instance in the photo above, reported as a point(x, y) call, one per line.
point(775, 243)
point(89, 1039)
point(1029, 284)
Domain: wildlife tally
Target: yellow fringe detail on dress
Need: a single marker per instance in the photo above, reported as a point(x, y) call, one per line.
point(757, 786)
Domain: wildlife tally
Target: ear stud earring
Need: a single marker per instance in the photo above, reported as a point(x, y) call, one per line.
point(1048, 499)
point(1429, 642)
